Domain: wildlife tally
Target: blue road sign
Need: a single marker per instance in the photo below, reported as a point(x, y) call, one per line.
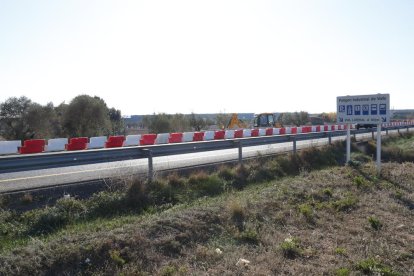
point(365, 109)
point(382, 109)
point(341, 108)
point(349, 110)
point(357, 109)
point(374, 109)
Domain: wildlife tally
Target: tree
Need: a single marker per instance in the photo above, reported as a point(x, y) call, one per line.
point(86, 116)
point(329, 117)
point(13, 118)
point(117, 123)
point(222, 119)
point(42, 121)
point(197, 123)
point(158, 123)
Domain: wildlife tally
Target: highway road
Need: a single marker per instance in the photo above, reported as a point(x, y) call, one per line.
point(34, 179)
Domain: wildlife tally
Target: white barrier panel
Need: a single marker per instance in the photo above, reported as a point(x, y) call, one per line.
point(132, 140)
point(208, 135)
point(162, 138)
point(56, 144)
point(313, 129)
point(229, 134)
point(299, 130)
point(288, 130)
point(9, 147)
point(97, 142)
point(262, 132)
point(188, 136)
point(247, 133)
point(276, 131)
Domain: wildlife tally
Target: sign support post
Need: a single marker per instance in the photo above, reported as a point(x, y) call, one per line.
point(348, 143)
point(379, 149)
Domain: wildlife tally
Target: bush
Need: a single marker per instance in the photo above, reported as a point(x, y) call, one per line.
point(241, 177)
point(372, 266)
point(306, 211)
point(106, 204)
point(342, 272)
point(206, 185)
point(248, 236)
point(226, 173)
point(375, 223)
point(237, 214)
point(291, 248)
point(345, 204)
point(136, 194)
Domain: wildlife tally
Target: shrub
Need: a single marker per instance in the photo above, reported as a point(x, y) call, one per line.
point(291, 248)
point(237, 214)
point(361, 182)
point(160, 192)
point(342, 272)
point(345, 204)
point(71, 208)
point(306, 211)
point(46, 221)
point(208, 185)
point(226, 173)
point(136, 195)
point(104, 204)
point(375, 223)
point(248, 236)
point(240, 177)
point(340, 251)
point(372, 266)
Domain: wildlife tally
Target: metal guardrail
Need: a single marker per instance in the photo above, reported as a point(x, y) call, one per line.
point(63, 159)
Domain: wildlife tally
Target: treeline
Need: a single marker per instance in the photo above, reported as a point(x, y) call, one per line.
point(22, 119)
point(87, 116)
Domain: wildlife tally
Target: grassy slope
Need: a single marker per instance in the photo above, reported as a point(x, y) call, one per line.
point(315, 223)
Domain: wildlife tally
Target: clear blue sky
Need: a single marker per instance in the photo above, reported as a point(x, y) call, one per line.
point(208, 56)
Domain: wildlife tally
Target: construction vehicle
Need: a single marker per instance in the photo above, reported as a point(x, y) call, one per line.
point(266, 120)
point(235, 122)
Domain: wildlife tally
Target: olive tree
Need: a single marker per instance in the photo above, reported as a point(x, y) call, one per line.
point(86, 116)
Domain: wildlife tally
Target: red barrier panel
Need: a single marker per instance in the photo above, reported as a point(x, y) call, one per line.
point(175, 137)
point(269, 131)
point(219, 134)
point(33, 146)
point(255, 132)
point(198, 136)
point(282, 131)
point(148, 139)
point(294, 130)
point(115, 141)
point(78, 143)
point(238, 133)
point(318, 128)
point(306, 129)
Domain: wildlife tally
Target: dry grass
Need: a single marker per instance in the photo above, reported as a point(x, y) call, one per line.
point(315, 224)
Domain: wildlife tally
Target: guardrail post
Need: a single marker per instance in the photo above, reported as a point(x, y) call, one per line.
point(150, 165)
point(386, 131)
point(294, 144)
point(329, 139)
point(372, 135)
point(407, 129)
point(238, 144)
